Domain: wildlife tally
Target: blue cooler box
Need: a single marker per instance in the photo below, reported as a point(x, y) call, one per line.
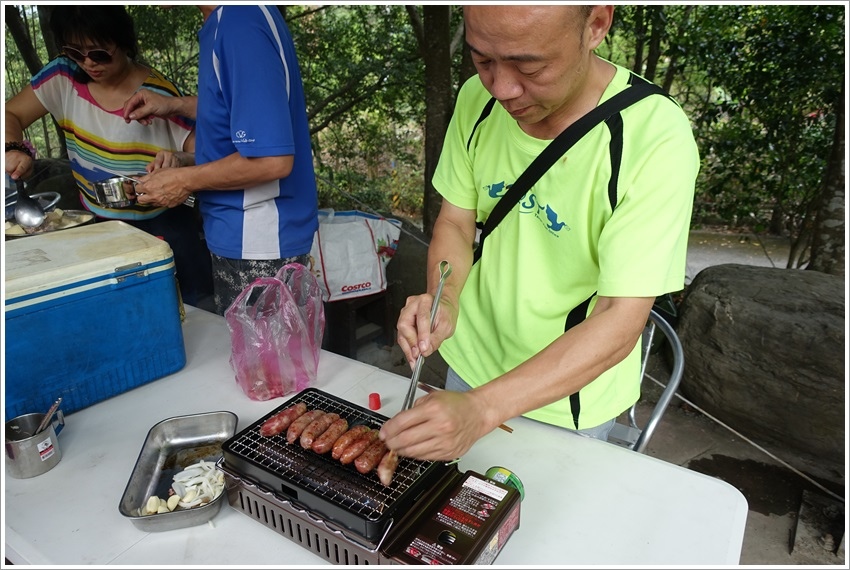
point(90, 313)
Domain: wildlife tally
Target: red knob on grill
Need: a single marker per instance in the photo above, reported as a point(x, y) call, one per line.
point(374, 401)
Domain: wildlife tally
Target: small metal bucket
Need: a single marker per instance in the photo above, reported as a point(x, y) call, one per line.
point(115, 192)
point(119, 192)
point(29, 455)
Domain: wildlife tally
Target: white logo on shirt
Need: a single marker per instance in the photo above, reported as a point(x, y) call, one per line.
point(241, 136)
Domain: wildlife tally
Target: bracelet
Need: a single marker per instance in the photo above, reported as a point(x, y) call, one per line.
point(20, 147)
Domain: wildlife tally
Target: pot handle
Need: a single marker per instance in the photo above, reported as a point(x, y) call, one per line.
point(59, 422)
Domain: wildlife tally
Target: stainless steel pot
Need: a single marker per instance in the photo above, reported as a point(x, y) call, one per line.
point(120, 191)
point(115, 192)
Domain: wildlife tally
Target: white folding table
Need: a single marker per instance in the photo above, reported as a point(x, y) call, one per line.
point(587, 502)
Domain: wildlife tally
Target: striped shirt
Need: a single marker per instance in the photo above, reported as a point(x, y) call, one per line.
point(100, 143)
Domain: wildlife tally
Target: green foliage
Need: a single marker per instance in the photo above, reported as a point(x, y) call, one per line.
point(363, 80)
point(168, 41)
point(771, 75)
point(758, 81)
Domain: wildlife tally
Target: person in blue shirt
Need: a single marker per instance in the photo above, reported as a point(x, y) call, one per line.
point(253, 175)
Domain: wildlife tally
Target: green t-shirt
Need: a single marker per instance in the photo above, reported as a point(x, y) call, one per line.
point(563, 244)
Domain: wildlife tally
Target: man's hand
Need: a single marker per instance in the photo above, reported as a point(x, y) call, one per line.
point(145, 105)
point(441, 426)
point(163, 187)
point(415, 336)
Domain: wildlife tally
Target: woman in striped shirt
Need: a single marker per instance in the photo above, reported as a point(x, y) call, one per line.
point(84, 89)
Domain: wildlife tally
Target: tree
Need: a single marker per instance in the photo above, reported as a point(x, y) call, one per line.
point(434, 38)
point(761, 83)
point(766, 124)
point(363, 79)
point(23, 41)
point(20, 25)
point(828, 240)
point(168, 41)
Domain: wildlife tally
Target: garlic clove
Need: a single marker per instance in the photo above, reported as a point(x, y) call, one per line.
point(152, 505)
point(171, 504)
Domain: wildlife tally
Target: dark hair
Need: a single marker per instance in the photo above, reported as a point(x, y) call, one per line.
point(103, 24)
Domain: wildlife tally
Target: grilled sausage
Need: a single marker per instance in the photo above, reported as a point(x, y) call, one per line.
point(316, 428)
point(370, 457)
point(387, 467)
point(325, 442)
point(282, 420)
point(358, 446)
point(297, 426)
point(347, 439)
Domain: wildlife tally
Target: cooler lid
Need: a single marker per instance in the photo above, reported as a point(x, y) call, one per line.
point(58, 259)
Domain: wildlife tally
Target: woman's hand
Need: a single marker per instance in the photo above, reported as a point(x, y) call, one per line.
point(168, 159)
point(164, 159)
point(19, 165)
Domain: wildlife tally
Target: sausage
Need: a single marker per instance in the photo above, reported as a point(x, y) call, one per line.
point(387, 467)
point(316, 428)
point(347, 439)
point(297, 426)
point(281, 420)
point(325, 442)
point(357, 447)
point(370, 457)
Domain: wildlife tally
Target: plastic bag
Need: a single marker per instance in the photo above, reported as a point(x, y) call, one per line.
point(276, 326)
point(351, 250)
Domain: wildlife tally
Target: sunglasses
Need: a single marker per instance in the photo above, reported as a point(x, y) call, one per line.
point(96, 55)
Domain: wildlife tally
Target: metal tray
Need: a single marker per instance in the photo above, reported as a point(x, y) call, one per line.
point(69, 219)
point(321, 484)
point(172, 445)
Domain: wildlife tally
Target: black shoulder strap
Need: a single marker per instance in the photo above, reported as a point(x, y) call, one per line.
point(562, 143)
point(484, 113)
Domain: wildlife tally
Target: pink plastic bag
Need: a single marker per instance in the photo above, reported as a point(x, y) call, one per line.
point(276, 326)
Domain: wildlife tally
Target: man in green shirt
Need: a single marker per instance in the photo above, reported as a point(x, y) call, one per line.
point(546, 324)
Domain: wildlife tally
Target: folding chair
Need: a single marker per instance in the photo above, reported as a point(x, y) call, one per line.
point(631, 435)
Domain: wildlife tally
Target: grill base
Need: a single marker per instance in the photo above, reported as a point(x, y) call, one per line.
point(300, 527)
point(339, 546)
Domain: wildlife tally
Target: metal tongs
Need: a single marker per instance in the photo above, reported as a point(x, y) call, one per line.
point(445, 271)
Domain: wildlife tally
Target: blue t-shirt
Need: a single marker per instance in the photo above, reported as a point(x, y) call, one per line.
point(251, 101)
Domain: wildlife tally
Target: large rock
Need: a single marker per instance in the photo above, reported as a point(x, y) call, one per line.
point(764, 353)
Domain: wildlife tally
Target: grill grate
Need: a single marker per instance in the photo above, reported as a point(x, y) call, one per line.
point(317, 480)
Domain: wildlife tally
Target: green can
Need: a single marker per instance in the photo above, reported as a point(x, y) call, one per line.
point(508, 477)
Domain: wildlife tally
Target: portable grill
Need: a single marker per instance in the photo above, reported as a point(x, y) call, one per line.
point(341, 514)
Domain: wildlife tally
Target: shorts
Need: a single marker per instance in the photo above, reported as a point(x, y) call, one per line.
point(232, 276)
